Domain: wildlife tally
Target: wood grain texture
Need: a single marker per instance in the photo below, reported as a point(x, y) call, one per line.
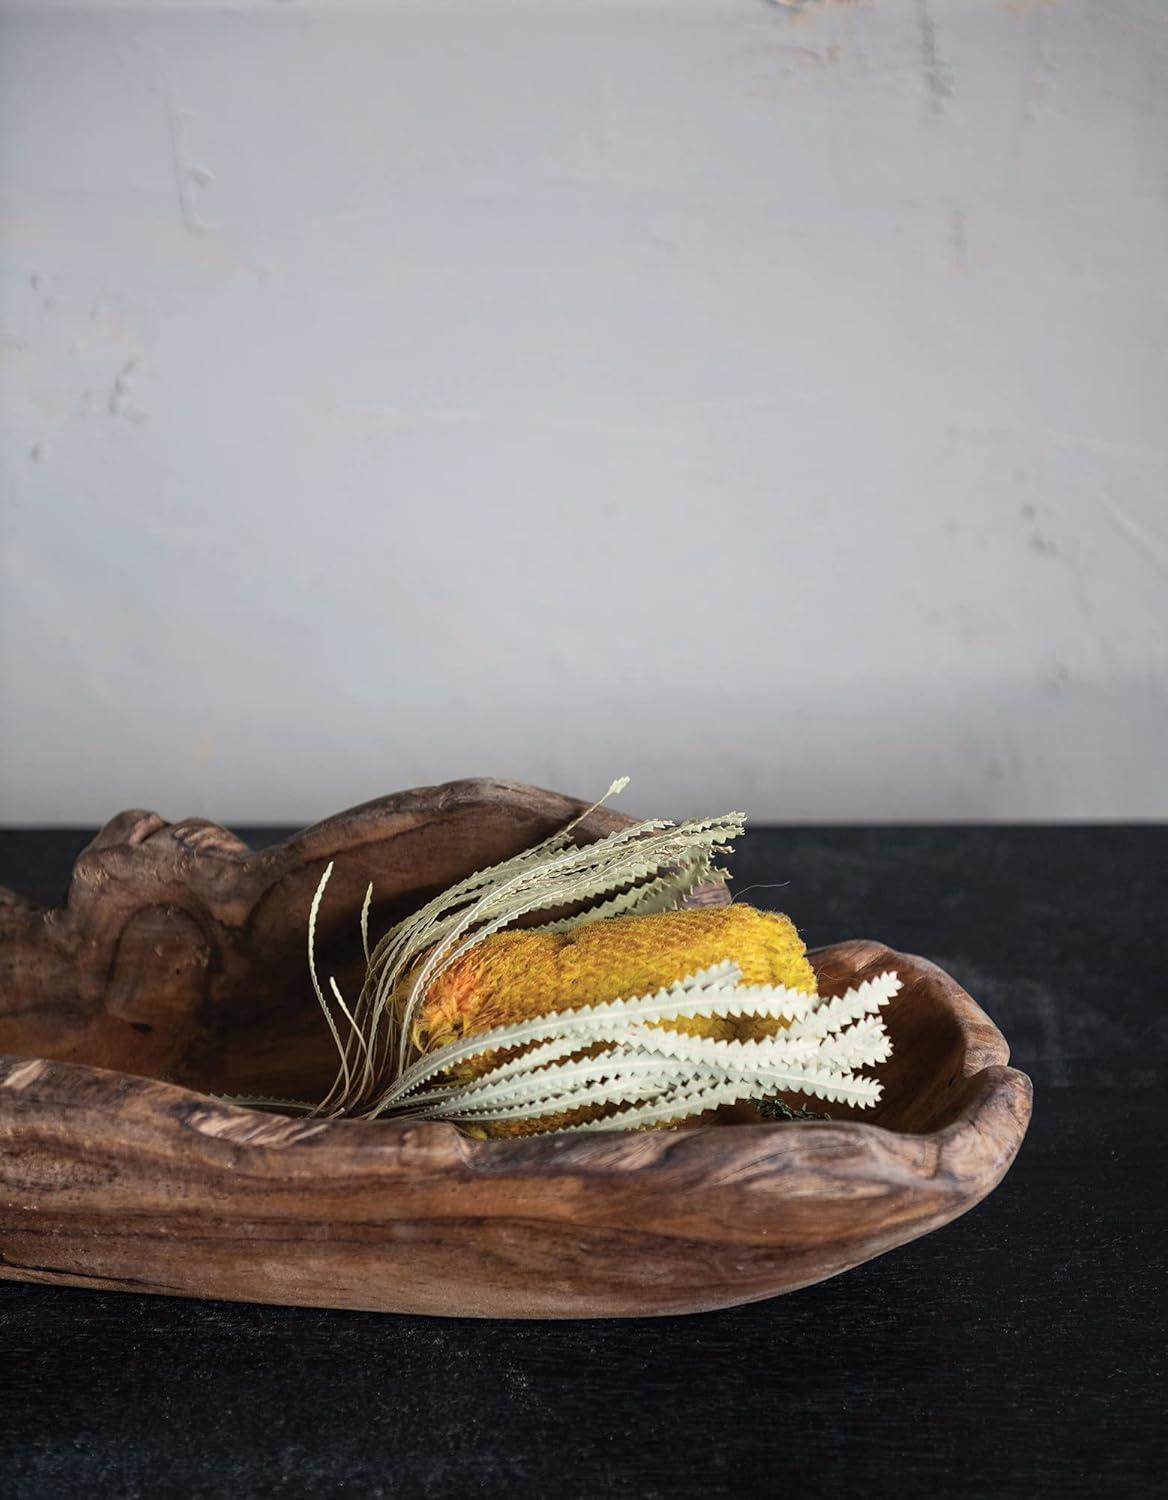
point(178, 953)
point(174, 967)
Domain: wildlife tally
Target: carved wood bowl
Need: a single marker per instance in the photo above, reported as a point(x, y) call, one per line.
point(175, 969)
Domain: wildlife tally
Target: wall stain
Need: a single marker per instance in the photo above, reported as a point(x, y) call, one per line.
point(958, 239)
point(934, 74)
point(188, 176)
point(120, 402)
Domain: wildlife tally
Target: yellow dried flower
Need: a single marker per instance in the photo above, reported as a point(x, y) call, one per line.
point(515, 975)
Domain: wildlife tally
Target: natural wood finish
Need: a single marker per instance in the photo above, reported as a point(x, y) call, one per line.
point(178, 953)
point(176, 966)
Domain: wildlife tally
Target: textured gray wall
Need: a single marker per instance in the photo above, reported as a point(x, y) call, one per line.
point(768, 402)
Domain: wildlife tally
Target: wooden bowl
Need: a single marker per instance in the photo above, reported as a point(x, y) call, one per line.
point(175, 968)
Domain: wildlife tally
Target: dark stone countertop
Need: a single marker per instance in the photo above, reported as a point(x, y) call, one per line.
point(1017, 1352)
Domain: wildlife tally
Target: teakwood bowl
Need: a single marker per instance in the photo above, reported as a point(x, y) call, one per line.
point(175, 969)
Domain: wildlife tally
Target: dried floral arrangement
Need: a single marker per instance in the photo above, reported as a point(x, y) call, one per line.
point(623, 1009)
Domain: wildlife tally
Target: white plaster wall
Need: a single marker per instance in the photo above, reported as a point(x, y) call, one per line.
point(767, 402)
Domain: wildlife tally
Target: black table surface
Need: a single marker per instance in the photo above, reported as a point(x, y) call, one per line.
point(1019, 1351)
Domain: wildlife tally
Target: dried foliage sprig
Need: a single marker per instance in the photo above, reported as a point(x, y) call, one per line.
point(616, 1064)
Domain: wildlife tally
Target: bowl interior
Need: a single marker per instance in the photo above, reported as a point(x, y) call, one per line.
point(264, 1034)
point(180, 955)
